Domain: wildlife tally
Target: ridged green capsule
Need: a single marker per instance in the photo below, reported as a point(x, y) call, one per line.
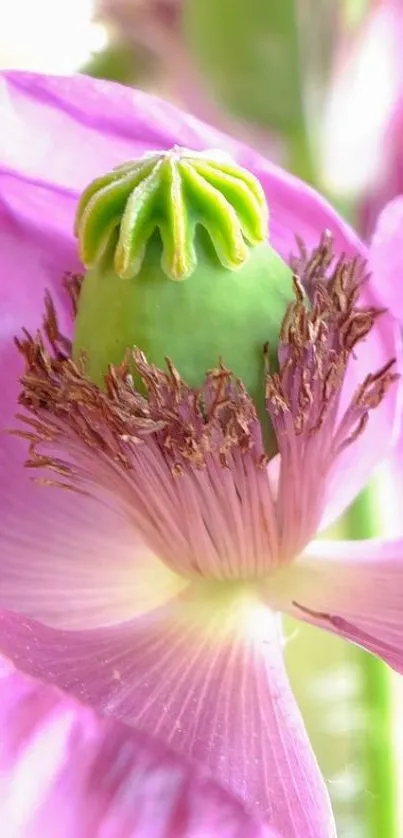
point(178, 264)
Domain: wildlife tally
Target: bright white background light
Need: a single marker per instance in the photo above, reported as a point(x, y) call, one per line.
point(359, 104)
point(48, 35)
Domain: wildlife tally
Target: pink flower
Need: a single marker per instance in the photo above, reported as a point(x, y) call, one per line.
point(193, 658)
point(65, 771)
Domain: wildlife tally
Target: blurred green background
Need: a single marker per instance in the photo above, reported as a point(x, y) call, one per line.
point(317, 86)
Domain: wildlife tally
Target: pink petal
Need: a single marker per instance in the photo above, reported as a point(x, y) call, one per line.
point(206, 676)
point(356, 464)
point(390, 183)
point(36, 251)
point(68, 560)
point(64, 558)
point(64, 771)
point(391, 500)
point(100, 124)
point(386, 161)
point(97, 125)
point(354, 589)
point(386, 257)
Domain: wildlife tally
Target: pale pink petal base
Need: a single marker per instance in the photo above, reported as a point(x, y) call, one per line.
point(206, 676)
point(351, 588)
point(66, 772)
point(68, 560)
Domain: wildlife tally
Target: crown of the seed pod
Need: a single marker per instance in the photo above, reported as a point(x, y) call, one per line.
point(173, 192)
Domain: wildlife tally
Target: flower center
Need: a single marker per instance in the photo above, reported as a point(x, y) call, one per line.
point(188, 464)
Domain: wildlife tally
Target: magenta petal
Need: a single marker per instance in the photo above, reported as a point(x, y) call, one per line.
point(386, 257)
point(99, 124)
point(37, 249)
point(354, 589)
point(206, 676)
point(66, 772)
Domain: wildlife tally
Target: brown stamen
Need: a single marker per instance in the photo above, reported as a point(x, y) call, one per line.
point(189, 425)
point(72, 283)
point(317, 342)
point(119, 434)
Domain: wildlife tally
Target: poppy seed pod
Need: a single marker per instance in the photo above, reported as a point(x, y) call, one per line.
point(178, 265)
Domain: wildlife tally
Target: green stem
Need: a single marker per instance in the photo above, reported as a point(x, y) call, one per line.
point(361, 522)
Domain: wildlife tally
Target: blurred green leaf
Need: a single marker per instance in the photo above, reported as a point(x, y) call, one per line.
point(120, 62)
point(248, 51)
point(355, 11)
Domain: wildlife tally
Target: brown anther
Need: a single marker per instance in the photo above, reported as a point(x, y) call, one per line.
point(310, 268)
point(356, 432)
point(372, 391)
point(72, 283)
point(298, 289)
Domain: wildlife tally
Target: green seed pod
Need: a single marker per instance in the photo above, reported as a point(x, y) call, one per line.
point(178, 264)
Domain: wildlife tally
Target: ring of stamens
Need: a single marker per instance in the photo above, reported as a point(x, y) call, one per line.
point(189, 464)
